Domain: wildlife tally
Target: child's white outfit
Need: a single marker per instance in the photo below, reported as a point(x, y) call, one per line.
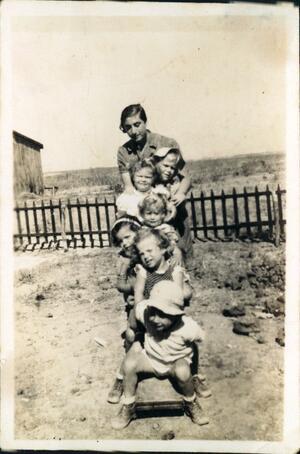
point(128, 202)
point(162, 352)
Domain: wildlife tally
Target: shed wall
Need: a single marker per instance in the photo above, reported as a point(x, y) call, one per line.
point(28, 175)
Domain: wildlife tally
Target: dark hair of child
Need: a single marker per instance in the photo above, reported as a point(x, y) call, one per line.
point(129, 221)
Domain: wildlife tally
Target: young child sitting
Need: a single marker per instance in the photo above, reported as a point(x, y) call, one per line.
point(142, 176)
point(167, 351)
point(155, 212)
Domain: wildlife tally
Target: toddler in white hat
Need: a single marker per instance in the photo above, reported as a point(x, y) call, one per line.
point(167, 351)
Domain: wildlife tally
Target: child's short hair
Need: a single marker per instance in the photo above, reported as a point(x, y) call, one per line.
point(146, 232)
point(157, 201)
point(130, 221)
point(146, 163)
point(151, 201)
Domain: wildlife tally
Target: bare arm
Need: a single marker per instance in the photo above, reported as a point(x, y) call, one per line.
point(178, 277)
point(126, 180)
point(185, 184)
point(123, 284)
point(183, 188)
point(139, 287)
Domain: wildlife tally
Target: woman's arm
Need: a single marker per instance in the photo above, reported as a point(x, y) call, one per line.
point(126, 180)
point(183, 188)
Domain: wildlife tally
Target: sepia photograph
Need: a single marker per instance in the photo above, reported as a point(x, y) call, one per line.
point(149, 271)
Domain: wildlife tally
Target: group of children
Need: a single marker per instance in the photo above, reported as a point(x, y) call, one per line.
point(160, 338)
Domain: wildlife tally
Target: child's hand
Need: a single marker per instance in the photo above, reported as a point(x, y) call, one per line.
point(130, 300)
point(178, 198)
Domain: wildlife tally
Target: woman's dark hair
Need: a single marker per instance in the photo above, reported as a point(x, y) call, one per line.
point(130, 111)
point(129, 221)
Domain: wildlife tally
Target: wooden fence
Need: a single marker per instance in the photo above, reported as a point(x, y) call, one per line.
point(254, 215)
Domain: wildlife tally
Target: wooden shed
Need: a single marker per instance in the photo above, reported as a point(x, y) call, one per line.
point(28, 175)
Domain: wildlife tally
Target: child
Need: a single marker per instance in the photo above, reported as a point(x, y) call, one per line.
point(155, 211)
point(142, 176)
point(167, 351)
point(152, 247)
point(167, 162)
point(123, 235)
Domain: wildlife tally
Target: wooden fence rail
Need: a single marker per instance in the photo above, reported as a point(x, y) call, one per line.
point(256, 214)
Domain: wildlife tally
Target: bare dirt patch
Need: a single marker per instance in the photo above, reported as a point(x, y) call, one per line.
point(62, 376)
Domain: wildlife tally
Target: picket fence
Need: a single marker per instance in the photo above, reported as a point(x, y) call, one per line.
point(256, 215)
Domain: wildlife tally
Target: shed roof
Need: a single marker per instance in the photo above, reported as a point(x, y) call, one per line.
point(27, 141)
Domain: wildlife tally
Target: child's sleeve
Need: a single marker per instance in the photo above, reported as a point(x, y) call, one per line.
point(193, 331)
point(122, 202)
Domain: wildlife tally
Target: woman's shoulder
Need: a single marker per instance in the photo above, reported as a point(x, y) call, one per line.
point(127, 147)
point(162, 141)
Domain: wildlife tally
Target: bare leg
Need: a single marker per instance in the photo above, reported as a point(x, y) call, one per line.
point(181, 372)
point(187, 292)
point(135, 362)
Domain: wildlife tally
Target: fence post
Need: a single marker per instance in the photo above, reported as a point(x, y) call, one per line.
point(224, 213)
point(247, 214)
point(203, 213)
point(36, 226)
point(276, 221)
point(115, 206)
point(71, 222)
point(279, 199)
point(269, 211)
point(107, 221)
point(213, 213)
point(98, 222)
point(53, 221)
point(44, 222)
point(89, 222)
point(80, 222)
point(62, 211)
point(19, 223)
point(236, 214)
point(27, 223)
point(258, 214)
point(194, 220)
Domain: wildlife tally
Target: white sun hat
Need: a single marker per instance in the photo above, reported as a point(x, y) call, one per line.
point(167, 297)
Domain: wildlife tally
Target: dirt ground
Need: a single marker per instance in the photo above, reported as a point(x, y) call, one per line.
point(64, 300)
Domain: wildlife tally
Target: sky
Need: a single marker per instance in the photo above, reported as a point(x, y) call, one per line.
point(216, 84)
